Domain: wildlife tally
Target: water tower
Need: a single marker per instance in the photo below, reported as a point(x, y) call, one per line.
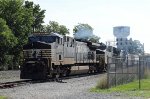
point(121, 33)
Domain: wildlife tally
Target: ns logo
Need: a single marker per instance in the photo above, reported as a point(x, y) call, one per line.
point(35, 53)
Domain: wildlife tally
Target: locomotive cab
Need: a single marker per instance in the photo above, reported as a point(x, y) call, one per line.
point(37, 56)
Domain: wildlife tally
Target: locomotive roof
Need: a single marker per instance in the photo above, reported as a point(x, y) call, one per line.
point(47, 34)
point(56, 34)
point(37, 45)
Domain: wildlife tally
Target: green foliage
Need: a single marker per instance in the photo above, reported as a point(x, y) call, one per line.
point(94, 39)
point(8, 41)
point(38, 15)
point(56, 28)
point(19, 19)
point(52, 27)
point(63, 30)
point(136, 48)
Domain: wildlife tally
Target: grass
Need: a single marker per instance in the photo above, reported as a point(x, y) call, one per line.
point(131, 89)
point(3, 97)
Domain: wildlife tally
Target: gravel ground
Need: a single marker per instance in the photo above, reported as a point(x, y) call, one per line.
point(8, 76)
point(75, 88)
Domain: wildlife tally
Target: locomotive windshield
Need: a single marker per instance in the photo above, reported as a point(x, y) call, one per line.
point(47, 39)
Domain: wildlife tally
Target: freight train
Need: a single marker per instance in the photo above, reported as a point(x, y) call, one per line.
point(51, 55)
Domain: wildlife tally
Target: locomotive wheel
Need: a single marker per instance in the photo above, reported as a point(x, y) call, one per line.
point(58, 75)
point(91, 71)
point(67, 71)
point(105, 68)
point(65, 74)
point(53, 76)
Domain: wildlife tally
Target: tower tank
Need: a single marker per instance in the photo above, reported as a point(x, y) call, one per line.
point(121, 31)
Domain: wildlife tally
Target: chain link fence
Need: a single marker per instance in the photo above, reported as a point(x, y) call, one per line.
point(122, 70)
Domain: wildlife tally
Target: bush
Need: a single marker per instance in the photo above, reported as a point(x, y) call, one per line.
point(102, 83)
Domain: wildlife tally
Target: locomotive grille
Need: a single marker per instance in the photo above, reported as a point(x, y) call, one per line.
point(44, 54)
point(39, 53)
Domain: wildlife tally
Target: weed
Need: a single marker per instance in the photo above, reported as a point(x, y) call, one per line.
point(102, 83)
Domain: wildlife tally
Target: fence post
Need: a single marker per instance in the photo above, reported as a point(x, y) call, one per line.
point(122, 73)
point(139, 72)
point(108, 66)
point(127, 65)
point(115, 71)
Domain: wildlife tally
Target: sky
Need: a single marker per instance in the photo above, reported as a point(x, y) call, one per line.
point(102, 15)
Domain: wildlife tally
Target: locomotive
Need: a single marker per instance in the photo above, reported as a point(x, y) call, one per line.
point(51, 55)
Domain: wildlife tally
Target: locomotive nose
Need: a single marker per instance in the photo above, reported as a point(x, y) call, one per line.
point(36, 55)
point(33, 69)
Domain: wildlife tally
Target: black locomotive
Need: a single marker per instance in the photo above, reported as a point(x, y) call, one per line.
point(48, 55)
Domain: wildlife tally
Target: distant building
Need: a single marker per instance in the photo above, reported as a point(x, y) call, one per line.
point(124, 44)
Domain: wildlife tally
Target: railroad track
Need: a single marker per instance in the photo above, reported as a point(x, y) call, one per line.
point(24, 82)
point(21, 83)
point(13, 84)
point(81, 75)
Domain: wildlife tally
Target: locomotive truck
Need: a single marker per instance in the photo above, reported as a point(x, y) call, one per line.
point(48, 55)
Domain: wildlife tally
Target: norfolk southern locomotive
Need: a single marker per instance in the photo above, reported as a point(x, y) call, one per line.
point(48, 55)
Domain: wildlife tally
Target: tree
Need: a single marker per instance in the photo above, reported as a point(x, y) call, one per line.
point(19, 20)
point(7, 42)
point(56, 28)
point(94, 39)
point(136, 48)
point(52, 27)
point(63, 30)
point(38, 15)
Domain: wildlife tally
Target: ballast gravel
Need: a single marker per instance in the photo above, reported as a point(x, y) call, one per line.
point(74, 88)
